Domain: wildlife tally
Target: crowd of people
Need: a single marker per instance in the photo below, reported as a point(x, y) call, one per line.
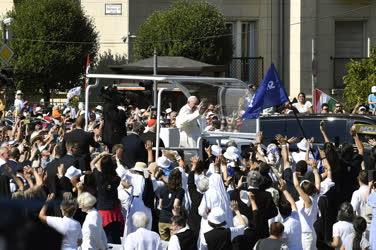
point(61, 187)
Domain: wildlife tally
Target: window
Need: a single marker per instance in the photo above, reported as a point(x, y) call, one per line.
point(350, 43)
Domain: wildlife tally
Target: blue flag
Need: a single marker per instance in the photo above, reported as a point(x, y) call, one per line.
point(270, 93)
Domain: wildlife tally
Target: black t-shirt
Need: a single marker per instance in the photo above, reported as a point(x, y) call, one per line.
point(168, 197)
point(107, 195)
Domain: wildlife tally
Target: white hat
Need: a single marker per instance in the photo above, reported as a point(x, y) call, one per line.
point(72, 172)
point(216, 216)
point(209, 114)
point(373, 89)
point(232, 153)
point(19, 92)
point(216, 150)
point(66, 110)
point(38, 109)
point(163, 162)
point(168, 111)
point(302, 145)
point(99, 107)
point(140, 166)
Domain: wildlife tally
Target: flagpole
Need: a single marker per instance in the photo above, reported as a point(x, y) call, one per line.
point(300, 126)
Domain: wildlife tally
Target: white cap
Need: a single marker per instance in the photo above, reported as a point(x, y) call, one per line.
point(302, 145)
point(163, 162)
point(38, 109)
point(99, 107)
point(216, 150)
point(373, 89)
point(19, 92)
point(72, 172)
point(232, 153)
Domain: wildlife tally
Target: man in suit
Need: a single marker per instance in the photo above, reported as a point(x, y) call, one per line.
point(114, 118)
point(83, 140)
point(134, 147)
point(70, 159)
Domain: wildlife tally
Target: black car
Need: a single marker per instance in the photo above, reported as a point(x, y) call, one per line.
point(337, 126)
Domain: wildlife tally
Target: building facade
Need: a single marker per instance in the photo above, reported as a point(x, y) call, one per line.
point(288, 33)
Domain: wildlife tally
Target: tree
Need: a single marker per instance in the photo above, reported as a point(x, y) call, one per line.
point(51, 39)
point(360, 77)
point(106, 59)
point(193, 29)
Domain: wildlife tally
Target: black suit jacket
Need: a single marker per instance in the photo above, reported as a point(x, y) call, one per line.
point(69, 160)
point(114, 124)
point(134, 150)
point(266, 210)
point(84, 140)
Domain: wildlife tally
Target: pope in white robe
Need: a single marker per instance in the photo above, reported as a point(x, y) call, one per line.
point(188, 123)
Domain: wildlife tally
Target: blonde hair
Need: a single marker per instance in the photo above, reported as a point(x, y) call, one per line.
point(86, 200)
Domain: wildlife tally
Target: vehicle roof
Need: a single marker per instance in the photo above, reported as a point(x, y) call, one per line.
point(221, 81)
point(320, 116)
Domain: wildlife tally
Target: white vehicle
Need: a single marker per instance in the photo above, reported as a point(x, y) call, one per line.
point(229, 93)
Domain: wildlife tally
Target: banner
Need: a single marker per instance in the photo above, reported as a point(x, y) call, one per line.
point(270, 93)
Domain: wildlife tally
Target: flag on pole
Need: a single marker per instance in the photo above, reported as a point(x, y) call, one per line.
point(270, 93)
point(320, 98)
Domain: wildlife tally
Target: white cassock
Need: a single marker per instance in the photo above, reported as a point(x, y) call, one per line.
point(188, 124)
point(93, 235)
point(143, 239)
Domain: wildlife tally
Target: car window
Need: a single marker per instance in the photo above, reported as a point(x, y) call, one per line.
point(271, 128)
point(336, 130)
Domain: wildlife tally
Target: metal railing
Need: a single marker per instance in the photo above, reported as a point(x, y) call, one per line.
point(247, 69)
point(339, 69)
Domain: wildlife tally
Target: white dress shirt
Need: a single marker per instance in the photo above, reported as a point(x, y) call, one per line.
point(93, 235)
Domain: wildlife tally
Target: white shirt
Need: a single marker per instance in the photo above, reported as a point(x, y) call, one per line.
point(302, 108)
point(293, 231)
point(343, 229)
point(307, 216)
point(174, 241)
point(93, 235)
point(143, 239)
point(69, 228)
point(359, 199)
point(349, 239)
point(18, 104)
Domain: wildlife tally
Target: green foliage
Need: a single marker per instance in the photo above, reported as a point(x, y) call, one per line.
point(361, 76)
point(40, 63)
point(179, 31)
point(106, 59)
